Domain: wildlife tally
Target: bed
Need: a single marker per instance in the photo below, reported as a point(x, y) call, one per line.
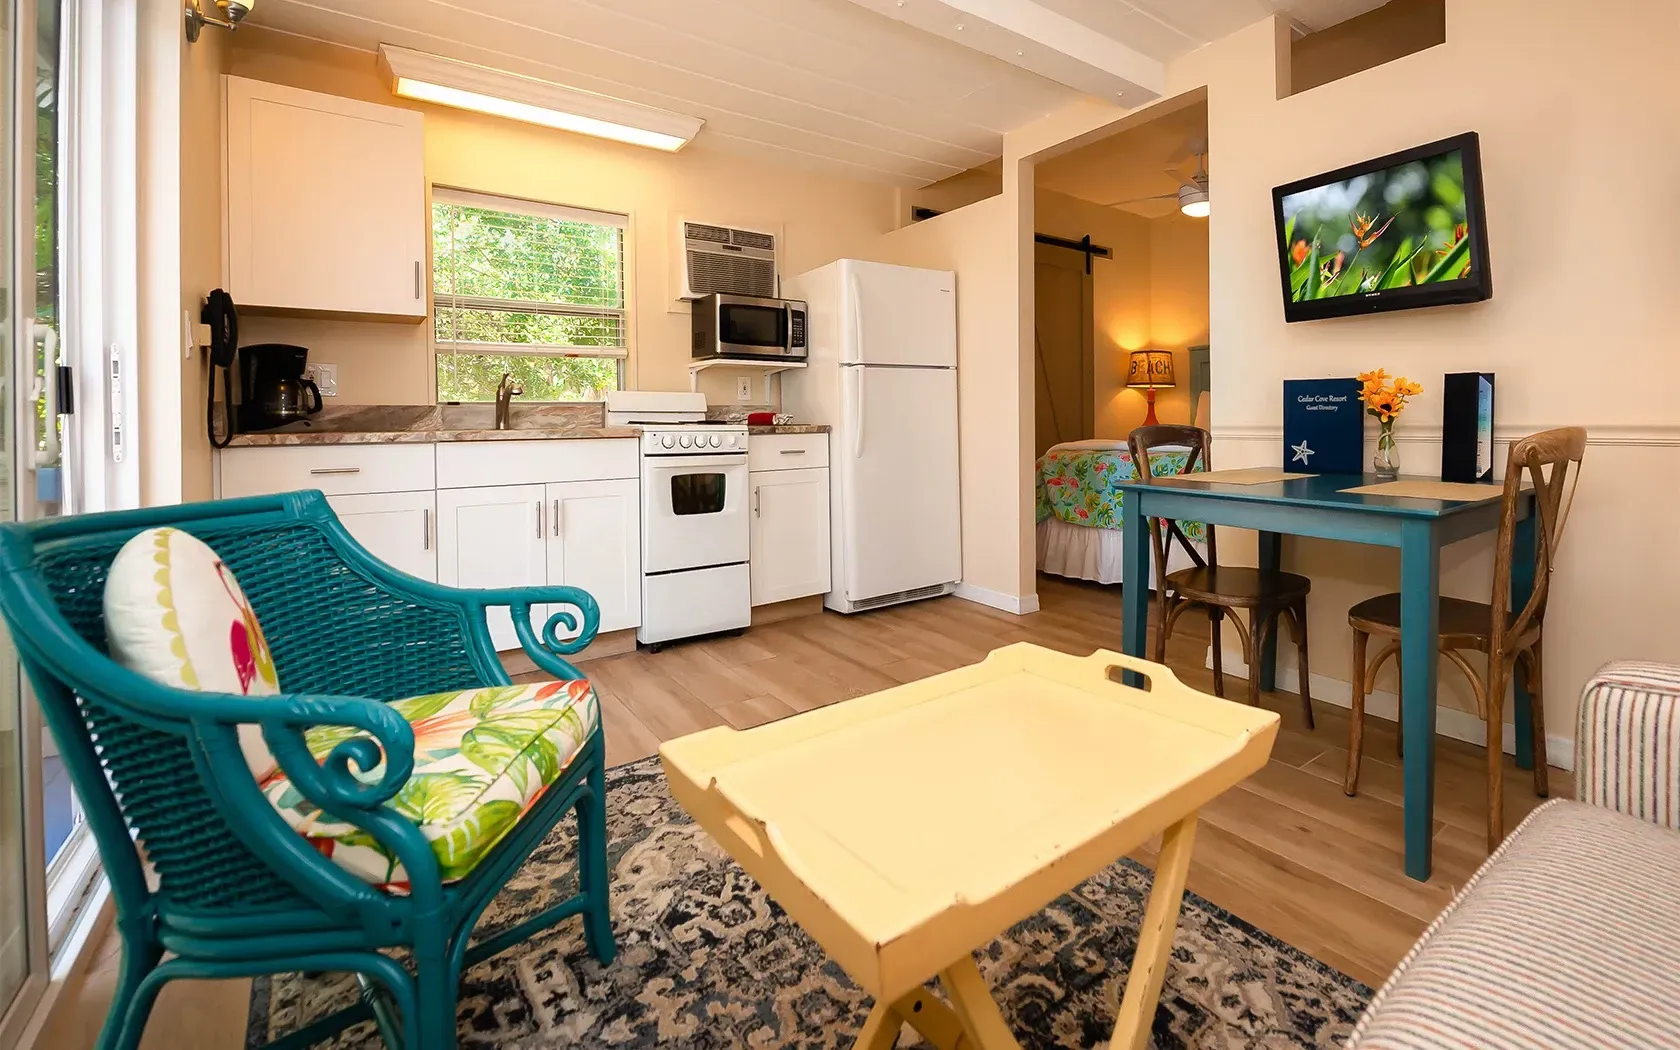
point(1079, 508)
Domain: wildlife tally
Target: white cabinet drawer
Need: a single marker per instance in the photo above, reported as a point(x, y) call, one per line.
point(786, 451)
point(334, 469)
point(475, 464)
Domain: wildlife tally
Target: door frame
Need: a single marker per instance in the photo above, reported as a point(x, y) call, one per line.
point(1070, 257)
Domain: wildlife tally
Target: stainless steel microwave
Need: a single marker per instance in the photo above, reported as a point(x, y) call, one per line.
point(749, 326)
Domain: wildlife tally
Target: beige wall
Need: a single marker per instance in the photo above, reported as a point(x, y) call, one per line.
point(1562, 105)
point(1152, 293)
point(202, 65)
point(822, 219)
point(992, 427)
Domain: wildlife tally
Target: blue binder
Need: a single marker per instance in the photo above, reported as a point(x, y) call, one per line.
point(1323, 426)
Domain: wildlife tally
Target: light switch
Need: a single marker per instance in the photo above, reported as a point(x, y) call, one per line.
point(325, 375)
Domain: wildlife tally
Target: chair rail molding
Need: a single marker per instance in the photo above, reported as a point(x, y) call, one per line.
point(1648, 435)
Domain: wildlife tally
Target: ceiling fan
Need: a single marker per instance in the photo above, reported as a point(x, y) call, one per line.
point(1192, 192)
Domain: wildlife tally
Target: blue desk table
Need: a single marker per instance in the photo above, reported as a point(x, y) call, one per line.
point(1316, 506)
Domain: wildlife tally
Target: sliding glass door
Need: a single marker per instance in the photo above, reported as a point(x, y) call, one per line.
point(22, 975)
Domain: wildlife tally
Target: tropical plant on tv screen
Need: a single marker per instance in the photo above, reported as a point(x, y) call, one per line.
point(1394, 228)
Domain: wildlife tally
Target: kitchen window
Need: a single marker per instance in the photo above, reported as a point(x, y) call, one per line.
point(533, 289)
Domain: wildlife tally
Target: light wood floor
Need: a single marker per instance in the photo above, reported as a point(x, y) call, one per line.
point(1285, 850)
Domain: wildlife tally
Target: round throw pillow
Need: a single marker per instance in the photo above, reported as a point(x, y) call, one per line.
point(175, 613)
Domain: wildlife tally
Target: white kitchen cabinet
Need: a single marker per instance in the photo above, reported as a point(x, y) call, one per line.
point(395, 527)
point(790, 534)
point(594, 542)
point(494, 537)
point(325, 203)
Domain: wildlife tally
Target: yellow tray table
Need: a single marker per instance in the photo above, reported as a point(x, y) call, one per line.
point(907, 828)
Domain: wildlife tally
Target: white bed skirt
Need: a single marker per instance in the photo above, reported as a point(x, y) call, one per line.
point(1093, 554)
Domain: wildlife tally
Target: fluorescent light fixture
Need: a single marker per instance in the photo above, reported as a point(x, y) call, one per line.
point(462, 85)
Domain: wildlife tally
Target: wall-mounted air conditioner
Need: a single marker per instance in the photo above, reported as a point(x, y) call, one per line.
point(726, 259)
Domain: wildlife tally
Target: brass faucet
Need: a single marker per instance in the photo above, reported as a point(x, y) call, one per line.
point(506, 391)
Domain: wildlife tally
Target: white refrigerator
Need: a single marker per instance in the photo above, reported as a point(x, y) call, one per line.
point(882, 373)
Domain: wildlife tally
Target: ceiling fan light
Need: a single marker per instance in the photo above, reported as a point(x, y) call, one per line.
point(1193, 201)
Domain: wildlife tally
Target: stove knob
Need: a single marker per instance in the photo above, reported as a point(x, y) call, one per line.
point(683, 441)
point(667, 441)
point(730, 441)
point(716, 441)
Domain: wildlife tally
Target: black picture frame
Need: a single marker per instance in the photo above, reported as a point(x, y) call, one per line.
point(1476, 288)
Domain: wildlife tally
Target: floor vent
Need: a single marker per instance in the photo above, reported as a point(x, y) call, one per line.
point(901, 596)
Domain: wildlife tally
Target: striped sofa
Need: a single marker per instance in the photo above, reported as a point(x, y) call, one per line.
point(1567, 936)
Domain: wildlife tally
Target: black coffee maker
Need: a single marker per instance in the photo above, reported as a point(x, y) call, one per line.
point(275, 392)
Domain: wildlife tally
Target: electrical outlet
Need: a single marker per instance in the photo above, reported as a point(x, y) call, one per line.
point(743, 388)
point(325, 376)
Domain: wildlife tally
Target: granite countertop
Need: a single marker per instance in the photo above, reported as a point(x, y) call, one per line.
point(432, 424)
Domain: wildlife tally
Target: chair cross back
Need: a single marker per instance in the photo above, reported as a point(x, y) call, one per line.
point(1551, 460)
point(1141, 442)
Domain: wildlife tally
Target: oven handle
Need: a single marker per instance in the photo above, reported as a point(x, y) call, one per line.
point(720, 460)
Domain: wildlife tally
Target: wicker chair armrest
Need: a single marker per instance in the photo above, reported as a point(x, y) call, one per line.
point(332, 783)
point(1627, 741)
point(549, 650)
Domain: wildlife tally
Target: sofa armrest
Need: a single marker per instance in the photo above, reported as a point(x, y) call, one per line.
point(1627, 741)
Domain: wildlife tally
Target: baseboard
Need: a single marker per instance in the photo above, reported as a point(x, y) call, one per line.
point(775, 612)
point(1020, 605)
point(1449, 721)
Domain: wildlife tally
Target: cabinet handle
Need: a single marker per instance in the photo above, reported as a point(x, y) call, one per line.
point(556, 524)
point(425, 528)
point(539, 519)
point(335, 470)
point(793, 452)
point(755, 501)
point(418, 291)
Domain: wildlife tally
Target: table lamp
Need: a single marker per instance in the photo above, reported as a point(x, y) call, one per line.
point(1150, 369)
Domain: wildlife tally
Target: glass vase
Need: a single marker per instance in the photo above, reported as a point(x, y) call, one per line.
point(1386, 463)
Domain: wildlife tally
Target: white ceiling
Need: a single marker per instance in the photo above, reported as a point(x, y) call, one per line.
point(823, 84)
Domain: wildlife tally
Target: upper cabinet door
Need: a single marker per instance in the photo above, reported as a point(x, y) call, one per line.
point(325, 203)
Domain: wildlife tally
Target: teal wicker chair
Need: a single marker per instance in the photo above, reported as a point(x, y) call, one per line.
point(235, 892)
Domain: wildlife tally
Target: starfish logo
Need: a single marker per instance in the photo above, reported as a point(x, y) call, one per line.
point(1301, 453)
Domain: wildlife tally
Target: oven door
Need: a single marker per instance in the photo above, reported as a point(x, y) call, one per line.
point(753, 327)
point(694, 511)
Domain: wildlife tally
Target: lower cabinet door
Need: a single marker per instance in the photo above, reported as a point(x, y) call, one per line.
point(398, 528)
point(595, 543)
point(790, 555)
point(494, 537)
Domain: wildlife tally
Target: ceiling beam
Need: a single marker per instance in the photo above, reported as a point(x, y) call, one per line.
point(1037, 39)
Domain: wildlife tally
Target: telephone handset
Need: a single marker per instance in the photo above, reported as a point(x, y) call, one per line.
point(223, 319)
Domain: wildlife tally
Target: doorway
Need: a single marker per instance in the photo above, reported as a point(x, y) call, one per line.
point(1063, 348)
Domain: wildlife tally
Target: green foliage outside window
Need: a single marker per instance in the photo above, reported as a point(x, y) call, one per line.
point(505, 280)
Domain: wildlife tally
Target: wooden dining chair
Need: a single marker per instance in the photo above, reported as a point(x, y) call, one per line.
point(1510, 638)
point(1266, 594)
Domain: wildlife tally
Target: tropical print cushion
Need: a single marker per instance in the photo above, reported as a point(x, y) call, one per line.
point(175, 614)
point(482, 757)
point(1077, 485)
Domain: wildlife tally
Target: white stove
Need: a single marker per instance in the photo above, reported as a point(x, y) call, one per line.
point(694, 516)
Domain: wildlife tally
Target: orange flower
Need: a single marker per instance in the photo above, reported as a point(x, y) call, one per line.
point(1298, 254)
point(1361, 226)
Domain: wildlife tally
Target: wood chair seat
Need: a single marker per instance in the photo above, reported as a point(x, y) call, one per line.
point(1238, 587)
point(1467, 622)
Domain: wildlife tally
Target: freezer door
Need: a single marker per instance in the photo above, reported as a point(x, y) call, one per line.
point(896, 451)
point(897, 315)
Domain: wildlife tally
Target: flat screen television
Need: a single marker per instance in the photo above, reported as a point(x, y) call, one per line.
point(1397, 232)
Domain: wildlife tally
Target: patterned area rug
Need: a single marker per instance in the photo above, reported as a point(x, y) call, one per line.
point(706, 961)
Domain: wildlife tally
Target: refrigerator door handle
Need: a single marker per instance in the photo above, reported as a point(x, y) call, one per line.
point(857, 414)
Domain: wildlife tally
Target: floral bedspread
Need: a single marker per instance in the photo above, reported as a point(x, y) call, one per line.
point(1079, 485)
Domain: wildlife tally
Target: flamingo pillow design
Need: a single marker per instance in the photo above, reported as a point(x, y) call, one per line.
point(175, 613)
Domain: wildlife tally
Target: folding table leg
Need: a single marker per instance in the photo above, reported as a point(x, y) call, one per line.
point(1160, 920)
point(982, 1021)
point(932, 1019)
point(880, 1030)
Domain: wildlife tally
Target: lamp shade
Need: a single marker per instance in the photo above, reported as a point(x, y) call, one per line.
point(1151, 369)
